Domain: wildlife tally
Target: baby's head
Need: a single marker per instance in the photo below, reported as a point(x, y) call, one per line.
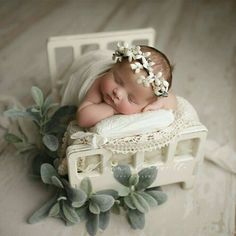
point(129, 90)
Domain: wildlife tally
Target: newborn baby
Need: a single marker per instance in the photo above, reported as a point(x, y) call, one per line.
point(139, 81)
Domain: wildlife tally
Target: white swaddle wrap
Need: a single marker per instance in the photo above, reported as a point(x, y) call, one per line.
point(86, 70)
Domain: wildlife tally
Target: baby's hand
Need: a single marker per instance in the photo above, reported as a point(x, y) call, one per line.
point(158, 104)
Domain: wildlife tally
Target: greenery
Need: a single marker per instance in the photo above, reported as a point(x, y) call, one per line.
point(50, 122)
point(74, 205)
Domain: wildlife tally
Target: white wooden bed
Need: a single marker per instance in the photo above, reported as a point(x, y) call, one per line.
point(178, 161)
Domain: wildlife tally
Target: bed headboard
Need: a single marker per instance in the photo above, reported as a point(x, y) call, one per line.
point(101, 40)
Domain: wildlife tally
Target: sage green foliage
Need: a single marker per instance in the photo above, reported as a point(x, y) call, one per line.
point(97, 208)
point(138, 197)
point(73, 205)
point(51, 122)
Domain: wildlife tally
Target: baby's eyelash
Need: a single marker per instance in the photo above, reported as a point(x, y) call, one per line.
point(130, 99)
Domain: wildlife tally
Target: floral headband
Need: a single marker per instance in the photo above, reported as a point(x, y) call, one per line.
point(159, 84)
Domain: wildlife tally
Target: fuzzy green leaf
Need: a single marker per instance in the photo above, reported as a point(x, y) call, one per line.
point(63, 115)
point(139, 202)
point(104, 219)
point(122, 174)
point(86, 186)
point(55, 210)
point(77, 197)
point(35, 116)
point(149, 199)
point(82, 212)
point(158, 188)
point(48, 104)
point(47, 171)
point(51, 142)
point(94, 208)
point(104, 202)
point(116, 208)
point(14, 112)
point(134, 179)
point(37, 95)
point(159, 196)
point(42, 212)
point(136, 219)
point(124, 191)
point(110, 192)
point(92, 224)
point(70, 213)
point(146, 177)
point(56, 181)
point(12, 138)
point(128, 201)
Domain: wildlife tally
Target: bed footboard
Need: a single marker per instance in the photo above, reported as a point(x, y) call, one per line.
point(178, 162)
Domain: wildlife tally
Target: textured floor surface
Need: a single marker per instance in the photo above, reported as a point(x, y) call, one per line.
point(198, 36)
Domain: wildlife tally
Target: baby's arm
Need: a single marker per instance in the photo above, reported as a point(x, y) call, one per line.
point(169, 102)
point(92, 113)
point(93, 109)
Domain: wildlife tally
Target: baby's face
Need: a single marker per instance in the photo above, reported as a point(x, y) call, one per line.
point(120, 90)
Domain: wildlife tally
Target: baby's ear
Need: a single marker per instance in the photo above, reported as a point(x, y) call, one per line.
point(154, 105)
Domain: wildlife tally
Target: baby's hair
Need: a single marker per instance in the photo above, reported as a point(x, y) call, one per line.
point(162, 63)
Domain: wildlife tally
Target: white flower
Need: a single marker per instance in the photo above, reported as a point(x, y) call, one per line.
point(146, 54)
point(165, 83)
point(159, 75)
point(136, 67)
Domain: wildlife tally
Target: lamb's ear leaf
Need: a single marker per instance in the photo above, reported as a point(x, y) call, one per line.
point(48, 104)
point(134, 179)
point(122, 174)
point(37, 95)
point(92, 223)
point(104, 202)
point(51, 142)
point(104, 219)
point(56, 181)
point(82, 212)
point(149, 199)
point(136, 219)
point(139, 202)
point(70, 213)
point(146, 177)
point(110, 192)
point(129, 203)
point(55, 210)
point(12, 138)
point(61, 116)
point(42, 212)
point(47, 171)
point(76, 195)
point(15, 112)
point(116, 208)
point(159, 196)
point(86, 185)
point(94, 208)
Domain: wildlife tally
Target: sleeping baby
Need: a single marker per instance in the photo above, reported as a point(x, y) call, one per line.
point(138, 81)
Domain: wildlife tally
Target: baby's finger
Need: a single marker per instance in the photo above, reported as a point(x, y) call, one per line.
point(148, 108)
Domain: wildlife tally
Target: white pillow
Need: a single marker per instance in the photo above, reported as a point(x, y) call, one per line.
point(119, 126)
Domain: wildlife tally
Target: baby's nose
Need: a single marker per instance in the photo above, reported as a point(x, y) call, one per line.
point(117, 93)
